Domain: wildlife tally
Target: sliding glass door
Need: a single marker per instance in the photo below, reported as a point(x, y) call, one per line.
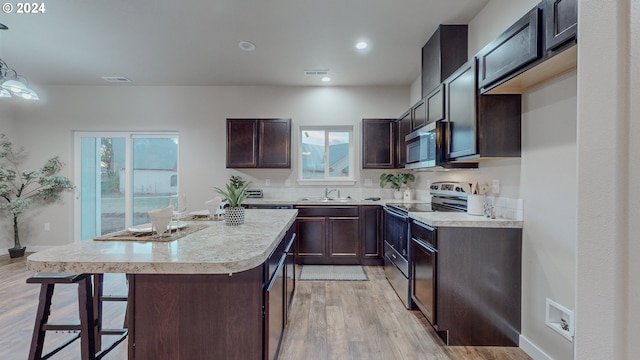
point(120, 177)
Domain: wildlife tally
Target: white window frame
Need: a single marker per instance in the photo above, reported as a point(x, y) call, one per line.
point(129, 135)
point(349, 180)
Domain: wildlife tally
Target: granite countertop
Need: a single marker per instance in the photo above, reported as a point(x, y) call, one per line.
point(461, 219)
point(217, 249)
point(317, 201)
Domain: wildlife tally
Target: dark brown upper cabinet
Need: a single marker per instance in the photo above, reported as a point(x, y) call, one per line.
point(506, 65)
point(512, 50)
point(435, 104)
point(379, 143)
point(419, 115)
point(561, 22)
point(404, 128)
point(444, 52)
point(259, 143)
point(480, 126)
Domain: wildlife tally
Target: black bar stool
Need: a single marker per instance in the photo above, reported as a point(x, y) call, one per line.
point(90, 311)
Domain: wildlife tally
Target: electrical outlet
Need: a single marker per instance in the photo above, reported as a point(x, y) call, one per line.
point(47, 227)
point(495, 186)
point(267, 182)
point(368, 182)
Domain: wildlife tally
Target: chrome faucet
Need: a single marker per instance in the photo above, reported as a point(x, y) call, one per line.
point(327, 192)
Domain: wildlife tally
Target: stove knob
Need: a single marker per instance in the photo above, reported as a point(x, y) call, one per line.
point(458, 189)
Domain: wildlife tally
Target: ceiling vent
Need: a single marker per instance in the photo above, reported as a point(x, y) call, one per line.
point(316, 72)
point(116, 79)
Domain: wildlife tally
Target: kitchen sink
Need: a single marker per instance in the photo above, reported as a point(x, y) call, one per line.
point(326, 199)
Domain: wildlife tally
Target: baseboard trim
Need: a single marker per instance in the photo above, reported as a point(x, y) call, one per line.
point(532, 350)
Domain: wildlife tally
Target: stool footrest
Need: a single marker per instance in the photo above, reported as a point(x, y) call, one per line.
point(113, 298)
point(113, 331)
point(60, 326)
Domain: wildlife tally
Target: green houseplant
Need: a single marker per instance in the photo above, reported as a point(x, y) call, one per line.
point(235, 192)
point(19, 189)
point(396, 182)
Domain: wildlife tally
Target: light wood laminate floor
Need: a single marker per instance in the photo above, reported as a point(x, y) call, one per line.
point(329, 320)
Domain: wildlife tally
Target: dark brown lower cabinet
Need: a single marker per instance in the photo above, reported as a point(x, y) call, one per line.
point(211, 316)
point(339, 235)
point(371, 235)
point(478, 285)
point(328, 235)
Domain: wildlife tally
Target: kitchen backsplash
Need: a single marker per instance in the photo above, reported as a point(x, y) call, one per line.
point(507, 208)
point(503, 207)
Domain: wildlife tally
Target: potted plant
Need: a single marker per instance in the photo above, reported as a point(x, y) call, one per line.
point(396, 182)
point(18, 189)
point(235, 192)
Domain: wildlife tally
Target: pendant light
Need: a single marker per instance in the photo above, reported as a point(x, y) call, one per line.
point(13, 84)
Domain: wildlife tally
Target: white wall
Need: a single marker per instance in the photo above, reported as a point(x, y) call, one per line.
point(608, 231)
point(198, 114)
point(632, 346)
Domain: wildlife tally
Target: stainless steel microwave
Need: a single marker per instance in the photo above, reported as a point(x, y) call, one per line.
point(428, 148)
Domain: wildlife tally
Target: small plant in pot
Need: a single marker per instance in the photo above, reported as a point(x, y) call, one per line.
point(396, 182)
point(19, 189)
point(235, 192)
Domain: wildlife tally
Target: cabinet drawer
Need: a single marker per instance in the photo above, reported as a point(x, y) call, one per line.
point(333, 211)
point(512, 50)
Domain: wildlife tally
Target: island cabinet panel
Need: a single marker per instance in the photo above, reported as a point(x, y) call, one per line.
point(259, 143)
point(512, 50)
point(194, 316)
point(238, 315)
point(378, 143)
point(478, 285)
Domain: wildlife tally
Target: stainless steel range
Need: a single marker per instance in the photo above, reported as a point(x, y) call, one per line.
point(446, 196)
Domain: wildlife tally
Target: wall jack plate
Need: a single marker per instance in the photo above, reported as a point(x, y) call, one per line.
point(560, 319)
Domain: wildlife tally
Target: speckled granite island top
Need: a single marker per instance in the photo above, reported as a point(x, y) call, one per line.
point(461, 219)
point(217, 249)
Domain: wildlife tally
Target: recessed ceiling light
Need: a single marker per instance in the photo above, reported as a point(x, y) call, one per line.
point(247, 45)
point(326, 79)
point(361, 45)
point(116, 79)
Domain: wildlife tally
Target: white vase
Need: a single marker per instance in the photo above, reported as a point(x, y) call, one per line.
point(234, 216)
point(397, 194)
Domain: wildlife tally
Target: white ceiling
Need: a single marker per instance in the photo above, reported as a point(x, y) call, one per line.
point(195, 42)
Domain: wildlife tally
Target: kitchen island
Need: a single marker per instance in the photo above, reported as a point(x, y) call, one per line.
point(204, 296)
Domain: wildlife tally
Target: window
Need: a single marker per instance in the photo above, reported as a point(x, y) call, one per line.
point(326, 154)
point(121, 176)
